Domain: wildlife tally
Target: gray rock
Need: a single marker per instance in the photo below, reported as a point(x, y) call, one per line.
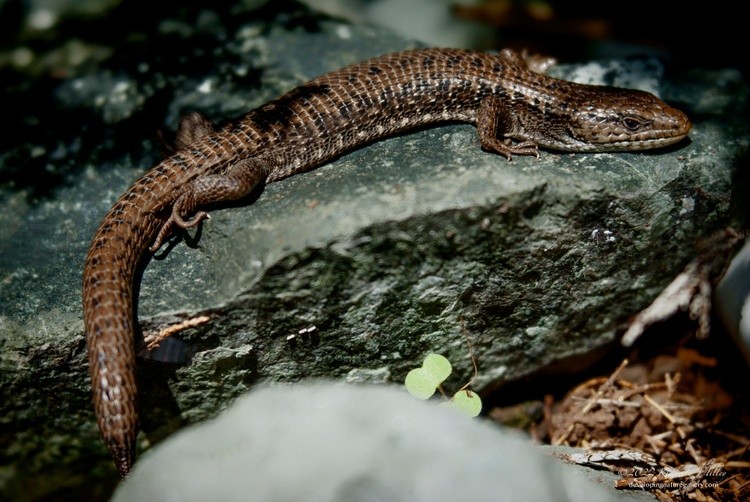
point(733, 299)
point(384, 250)
point(323, 442)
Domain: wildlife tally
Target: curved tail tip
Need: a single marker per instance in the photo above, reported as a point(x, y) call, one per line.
point(123, 457)
point(124, 467)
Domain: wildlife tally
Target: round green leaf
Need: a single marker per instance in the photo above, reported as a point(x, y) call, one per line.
point(438, 367)
point(467, 402)
point(420, 384)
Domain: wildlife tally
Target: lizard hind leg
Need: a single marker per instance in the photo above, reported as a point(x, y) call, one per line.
point(238, 181)
point(534, 62)
point(193, 127)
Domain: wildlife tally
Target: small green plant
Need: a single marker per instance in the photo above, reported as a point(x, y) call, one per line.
point(423, 382)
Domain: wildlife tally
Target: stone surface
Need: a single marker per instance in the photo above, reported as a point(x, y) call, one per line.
point(733, 299)
point(384, 250)
point(327, 442)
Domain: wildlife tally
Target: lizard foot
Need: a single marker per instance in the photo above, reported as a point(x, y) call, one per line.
point(184, 205)
point(507, 149)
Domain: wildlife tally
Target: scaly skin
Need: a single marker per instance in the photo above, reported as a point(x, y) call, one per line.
point(316, 122)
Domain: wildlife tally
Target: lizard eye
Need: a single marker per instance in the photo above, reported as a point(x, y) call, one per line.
point(632, 123)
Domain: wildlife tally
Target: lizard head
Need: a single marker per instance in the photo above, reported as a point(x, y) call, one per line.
point(612, 119)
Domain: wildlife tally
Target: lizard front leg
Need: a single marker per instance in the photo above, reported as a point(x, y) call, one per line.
point(495, 119)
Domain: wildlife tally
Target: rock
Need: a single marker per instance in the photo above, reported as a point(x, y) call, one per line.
point(733, 299)
point(331, 442)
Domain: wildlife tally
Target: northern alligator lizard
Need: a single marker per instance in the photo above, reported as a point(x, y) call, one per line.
point(516, 110)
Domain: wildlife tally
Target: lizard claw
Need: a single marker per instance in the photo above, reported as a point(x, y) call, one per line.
point(526, 148)
point(507, 149)
point(185, 204)
point(164, 232)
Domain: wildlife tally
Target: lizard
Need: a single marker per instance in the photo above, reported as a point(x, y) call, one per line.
point(516, 110)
